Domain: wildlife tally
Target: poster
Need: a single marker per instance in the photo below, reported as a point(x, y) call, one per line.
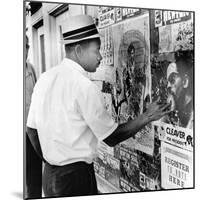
point(176, 167)
point(170, 17)
point(175, 30)
point(144, 140)
point(177, 136)
point(183, 35)
point(165, 39)
point(103, 147)
point(107, 47)
point(176, 37)
point(158, 21)
point(132, 89)
point(118, 14)
point(147, 183)
point(126, 186)
point(139, 171)
point(106, 165)
point(112, 170)
point(129, 170)
point(129, 12)
point(172, 82)
point(107, 102)
point(166, 17)
point(106, 16)
point(131, 60)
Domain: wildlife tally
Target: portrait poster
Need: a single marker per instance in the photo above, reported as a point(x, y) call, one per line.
point(176, 167)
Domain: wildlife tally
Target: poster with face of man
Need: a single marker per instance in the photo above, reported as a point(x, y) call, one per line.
point(172, 67)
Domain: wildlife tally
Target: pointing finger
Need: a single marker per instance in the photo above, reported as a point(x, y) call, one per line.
point(166, 112)
point(166, 107)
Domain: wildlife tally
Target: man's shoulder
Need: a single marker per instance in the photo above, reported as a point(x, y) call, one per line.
point(88, 87)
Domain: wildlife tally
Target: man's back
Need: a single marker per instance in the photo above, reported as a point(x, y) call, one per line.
point(64, 103)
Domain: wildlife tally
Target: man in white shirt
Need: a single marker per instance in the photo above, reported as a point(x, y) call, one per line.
point(67, 116)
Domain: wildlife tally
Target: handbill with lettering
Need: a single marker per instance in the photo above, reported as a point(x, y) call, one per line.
point(175, 135)
point(176, 167)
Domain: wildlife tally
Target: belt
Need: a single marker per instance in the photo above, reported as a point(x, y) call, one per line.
point(71, 167)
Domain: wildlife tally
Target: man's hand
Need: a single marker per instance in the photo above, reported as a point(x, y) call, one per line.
point(126, 130)
point(156, 110)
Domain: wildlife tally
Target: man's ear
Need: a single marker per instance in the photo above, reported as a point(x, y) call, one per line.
point(185, 81)
point(78, 51)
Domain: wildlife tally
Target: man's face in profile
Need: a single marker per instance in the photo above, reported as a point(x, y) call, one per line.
point(175, 82)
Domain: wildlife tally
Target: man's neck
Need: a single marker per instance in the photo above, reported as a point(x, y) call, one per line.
point(183, 101)
point(74, 58)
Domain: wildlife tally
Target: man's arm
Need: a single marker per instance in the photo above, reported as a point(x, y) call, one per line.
point(33, 136)
point(124, 131)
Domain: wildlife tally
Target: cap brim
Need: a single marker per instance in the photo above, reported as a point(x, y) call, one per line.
point(171, 69)
point(78, 40)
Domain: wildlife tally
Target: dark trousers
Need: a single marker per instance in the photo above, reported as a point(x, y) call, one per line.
point(75, 179)
point(33, 172)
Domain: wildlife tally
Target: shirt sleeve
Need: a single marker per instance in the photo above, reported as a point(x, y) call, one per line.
point(90, 102)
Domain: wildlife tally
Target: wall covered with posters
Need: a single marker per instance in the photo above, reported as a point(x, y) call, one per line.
point(147, 56)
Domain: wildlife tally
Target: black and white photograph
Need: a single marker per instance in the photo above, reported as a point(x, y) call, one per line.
point(108, 99)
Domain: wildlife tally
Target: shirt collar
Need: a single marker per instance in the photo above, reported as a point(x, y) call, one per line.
point(70, 63)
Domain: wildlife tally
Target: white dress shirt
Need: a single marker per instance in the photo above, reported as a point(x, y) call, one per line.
point(68, 112)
